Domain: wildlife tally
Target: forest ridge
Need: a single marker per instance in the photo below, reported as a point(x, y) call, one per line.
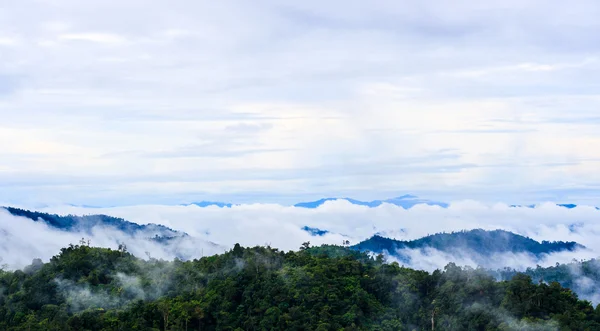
point(263, 288)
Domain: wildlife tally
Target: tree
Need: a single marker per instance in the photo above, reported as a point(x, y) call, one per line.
point(122, 248)
point(197, 313)
point(434, 310)
point(238, 250)
point(164, 306)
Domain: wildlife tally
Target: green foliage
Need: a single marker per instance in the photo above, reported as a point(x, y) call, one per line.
point(583, 277)
point(260, 288)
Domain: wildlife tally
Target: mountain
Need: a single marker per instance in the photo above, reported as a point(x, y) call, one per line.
point(405, 201)
point(476, 244)
point(151, 239)
point(86, 223)
point(204, 204)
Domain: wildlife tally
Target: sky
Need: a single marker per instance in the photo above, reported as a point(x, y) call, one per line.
point(151, 102)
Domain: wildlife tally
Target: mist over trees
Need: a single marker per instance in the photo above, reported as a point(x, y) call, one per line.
point(262, 288)
point(477, 240)
point(190, 231)
point(582, 277)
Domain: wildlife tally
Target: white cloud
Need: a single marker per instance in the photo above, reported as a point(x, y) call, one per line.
point(6, 41)
point(280, 226)
point(24, 240)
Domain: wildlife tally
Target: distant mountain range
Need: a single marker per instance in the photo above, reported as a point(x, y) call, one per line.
point(564, 205)
point(405, 201)
point(204, 204)
point(477, 244)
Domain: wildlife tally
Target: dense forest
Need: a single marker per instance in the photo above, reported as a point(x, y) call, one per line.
point(261, 288)
point(583, 277)
point(476, 241)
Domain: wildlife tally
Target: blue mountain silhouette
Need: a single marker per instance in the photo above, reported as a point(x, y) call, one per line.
point(405, 201)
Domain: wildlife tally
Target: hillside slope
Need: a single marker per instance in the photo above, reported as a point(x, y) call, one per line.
point(88, 222)
point(478, 244)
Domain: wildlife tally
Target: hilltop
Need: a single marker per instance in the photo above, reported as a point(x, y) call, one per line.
point(477, 243)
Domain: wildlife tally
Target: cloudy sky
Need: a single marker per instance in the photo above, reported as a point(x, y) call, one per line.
point(125, 102)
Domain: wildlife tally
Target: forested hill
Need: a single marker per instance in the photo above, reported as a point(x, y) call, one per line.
point(87, 222)
point(477, 241)
point(323, 288)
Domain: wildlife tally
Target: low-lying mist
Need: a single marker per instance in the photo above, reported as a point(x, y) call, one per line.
point(281, 227)
point(22, 240)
